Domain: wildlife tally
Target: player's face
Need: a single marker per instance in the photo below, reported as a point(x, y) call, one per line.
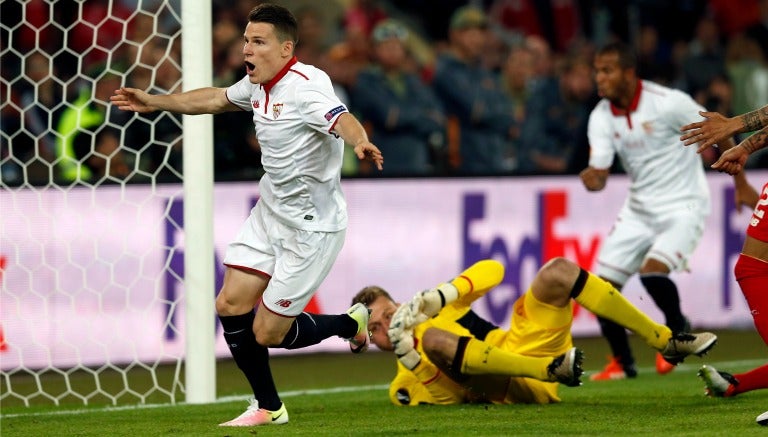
point(612, 80)
point(264, 54)
point(382, 310)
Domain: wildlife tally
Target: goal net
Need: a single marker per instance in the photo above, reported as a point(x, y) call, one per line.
point(92, 308)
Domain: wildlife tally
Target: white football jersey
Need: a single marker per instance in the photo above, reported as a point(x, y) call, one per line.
point(664, 174)
point(294, 115)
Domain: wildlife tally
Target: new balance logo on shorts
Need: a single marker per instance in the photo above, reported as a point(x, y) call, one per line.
point(283, 303)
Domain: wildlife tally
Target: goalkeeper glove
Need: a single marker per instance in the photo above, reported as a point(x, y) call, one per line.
point(404, 345)
point(431, 301)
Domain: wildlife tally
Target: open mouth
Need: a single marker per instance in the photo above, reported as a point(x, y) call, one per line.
point(249, 67)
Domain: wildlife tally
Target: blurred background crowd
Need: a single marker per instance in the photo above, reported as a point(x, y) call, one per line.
point(444, 87)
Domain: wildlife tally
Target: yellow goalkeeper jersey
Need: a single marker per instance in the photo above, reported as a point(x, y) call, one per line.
point(427, 384)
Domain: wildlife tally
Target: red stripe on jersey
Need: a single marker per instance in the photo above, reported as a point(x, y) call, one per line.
point(299, 73)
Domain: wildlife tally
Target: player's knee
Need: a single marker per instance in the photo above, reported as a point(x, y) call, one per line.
point(554, 281)
point(558, 273)
point(224, 306)
point(233, 304)
point(438, 346)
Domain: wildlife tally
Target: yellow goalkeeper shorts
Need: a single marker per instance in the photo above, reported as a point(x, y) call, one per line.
point(536, 329)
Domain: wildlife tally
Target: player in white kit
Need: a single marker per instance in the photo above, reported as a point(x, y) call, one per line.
point(662, 219)
point(291, 239)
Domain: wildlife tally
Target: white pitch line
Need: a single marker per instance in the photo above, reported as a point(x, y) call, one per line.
point(222, 400)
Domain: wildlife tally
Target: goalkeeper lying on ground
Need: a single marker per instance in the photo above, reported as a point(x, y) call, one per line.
point(448, 355)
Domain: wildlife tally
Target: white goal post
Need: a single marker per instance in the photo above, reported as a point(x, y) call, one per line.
point(198, 207)
point(92, 309)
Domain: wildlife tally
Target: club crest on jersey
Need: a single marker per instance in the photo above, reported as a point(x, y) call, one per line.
point(255, 104)
point(277, 108)
point(648, 127)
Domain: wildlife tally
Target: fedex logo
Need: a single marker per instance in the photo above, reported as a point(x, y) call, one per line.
point(534, 249)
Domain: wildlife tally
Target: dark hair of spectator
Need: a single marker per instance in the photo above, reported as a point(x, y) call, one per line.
point(278, 16)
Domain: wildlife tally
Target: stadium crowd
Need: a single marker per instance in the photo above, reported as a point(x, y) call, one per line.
point(445, 87)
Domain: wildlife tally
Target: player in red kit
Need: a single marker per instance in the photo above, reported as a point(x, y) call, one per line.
point(751, 268)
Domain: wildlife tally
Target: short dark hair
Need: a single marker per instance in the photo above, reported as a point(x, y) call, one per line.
point(627, 58)
point(278, 16)
point(367, 295)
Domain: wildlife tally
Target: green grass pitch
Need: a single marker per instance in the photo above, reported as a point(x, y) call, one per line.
point(338, 395)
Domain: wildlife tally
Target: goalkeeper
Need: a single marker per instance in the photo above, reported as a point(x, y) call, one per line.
point(448, 355)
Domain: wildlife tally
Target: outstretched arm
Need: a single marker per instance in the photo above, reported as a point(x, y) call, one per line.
point(732, 160)
point(199, 101)
point(716, 128)
point(352, 132)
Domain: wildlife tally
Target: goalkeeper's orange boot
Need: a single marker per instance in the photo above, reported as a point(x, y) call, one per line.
point(255, 416)
point(663, 366)
point(360, 341)
point(614, 370)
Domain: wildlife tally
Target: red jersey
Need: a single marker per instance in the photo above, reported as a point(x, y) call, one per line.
point(758, 224)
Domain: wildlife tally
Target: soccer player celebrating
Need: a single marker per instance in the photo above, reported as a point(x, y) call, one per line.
point(447, 354)
point(751, 268)
point(662, 219)
point(291, 239)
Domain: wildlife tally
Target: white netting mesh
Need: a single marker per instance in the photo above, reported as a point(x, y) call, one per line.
point(90, 236)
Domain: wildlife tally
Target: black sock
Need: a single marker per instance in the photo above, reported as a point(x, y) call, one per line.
point(308, 329)
point(617, 340)
point(578, 286)
point(252, 358)
point(664, 292)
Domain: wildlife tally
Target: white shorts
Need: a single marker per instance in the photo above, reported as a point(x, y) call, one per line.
point(670, 239)
point(297, 261)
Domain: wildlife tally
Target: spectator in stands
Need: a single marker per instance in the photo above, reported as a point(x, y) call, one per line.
point(312, 47)
point(706, 57)
point(554, 135)
point(346, 58)
point(652, 61)
point(516, 82)
point(364, 15)
point(543, 58)
point(759, 30)
point(480, 113)
point(99, 28)
point(748, 71)
point(155, 138)
point(556, 22)
point(404, 117)
point(39, 95)
point(734, 16)
point(88, 135)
